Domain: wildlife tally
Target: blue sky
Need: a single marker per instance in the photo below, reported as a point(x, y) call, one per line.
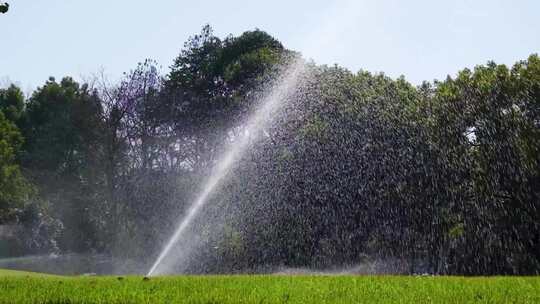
point(420, 39)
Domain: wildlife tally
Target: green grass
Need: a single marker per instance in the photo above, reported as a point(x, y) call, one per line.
point(17, 287)
point(16, 273)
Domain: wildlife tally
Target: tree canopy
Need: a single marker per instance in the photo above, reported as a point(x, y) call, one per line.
point(357, 168)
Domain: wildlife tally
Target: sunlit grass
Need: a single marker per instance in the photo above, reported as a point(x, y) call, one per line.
point(32, 288)
point(10, 273)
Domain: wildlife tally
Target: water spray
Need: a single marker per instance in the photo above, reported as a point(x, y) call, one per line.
point(260, 119)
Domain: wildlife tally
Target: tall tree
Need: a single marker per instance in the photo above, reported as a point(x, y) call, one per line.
point(62, 155)
point(14, 189)
point(214, 83)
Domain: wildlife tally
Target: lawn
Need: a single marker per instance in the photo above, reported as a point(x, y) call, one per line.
point(15, 273)
point(22, 287)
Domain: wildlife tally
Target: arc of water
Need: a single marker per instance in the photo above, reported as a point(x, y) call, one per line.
point(340, 15)
point(258, 121)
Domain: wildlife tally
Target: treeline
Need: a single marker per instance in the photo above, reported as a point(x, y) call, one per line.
point(442, 178)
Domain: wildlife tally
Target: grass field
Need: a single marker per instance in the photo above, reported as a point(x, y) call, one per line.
point(23, 287)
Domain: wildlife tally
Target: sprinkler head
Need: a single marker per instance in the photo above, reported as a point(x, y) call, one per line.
point(146, 279)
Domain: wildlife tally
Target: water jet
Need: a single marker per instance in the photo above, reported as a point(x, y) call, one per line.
point(271, 102)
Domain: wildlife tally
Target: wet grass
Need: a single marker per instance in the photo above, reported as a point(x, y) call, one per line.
point(16, 273)
point(18, 287)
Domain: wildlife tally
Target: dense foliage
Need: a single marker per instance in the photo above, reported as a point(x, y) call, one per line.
point(439, 178)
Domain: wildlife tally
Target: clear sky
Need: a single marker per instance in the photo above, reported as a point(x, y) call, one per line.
point(421, 39)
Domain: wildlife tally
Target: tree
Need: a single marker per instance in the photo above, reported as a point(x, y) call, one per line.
point(63, 157)
point(14, 189)
point(12, 104)
point(139, 150)
point(490, 125)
